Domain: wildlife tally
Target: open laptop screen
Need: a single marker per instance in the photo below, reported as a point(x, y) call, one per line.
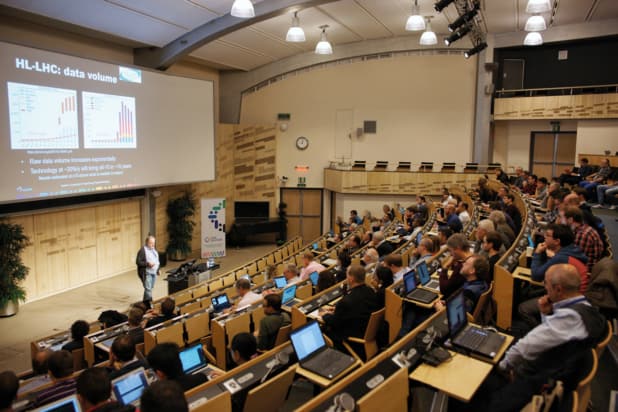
point(280, 282)
point(220, 302)
point(456, 312)
point(69, 404)
point(409, 282)
point(288, 294)
point(307, 340)
point(128, 388)
point(315, 246)
point(314, 276)
point(192, 358)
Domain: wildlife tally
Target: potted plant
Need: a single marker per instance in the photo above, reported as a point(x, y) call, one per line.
point(12, 270)
point(180, 226)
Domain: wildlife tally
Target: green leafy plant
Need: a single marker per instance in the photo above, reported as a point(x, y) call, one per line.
point(12, 270)
point(180, 225)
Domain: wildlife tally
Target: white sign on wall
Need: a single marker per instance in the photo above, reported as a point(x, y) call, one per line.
point(213, 228)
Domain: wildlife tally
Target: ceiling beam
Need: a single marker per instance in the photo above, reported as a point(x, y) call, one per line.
point(162, 58)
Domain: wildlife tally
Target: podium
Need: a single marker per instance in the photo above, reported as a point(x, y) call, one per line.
point(181, 281)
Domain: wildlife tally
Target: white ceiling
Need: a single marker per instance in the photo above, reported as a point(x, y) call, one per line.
point(159, 22)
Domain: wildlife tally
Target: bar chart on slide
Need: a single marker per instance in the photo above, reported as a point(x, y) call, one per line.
point(109, 121)
point(42, 117)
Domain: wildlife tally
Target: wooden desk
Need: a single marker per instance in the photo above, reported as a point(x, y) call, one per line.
point(524, 274)
point(322, 381)
point(459, 378)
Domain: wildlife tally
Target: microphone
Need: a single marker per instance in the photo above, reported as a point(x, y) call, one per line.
point(281, 358)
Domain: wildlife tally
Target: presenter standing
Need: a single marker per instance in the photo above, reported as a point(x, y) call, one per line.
point(148, 267)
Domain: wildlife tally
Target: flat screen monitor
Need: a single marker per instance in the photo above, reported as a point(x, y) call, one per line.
point(251, 210)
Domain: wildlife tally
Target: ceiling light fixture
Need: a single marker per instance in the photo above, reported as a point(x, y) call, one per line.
point(441, 4)
point(428, 38)
point(457, 35)
point(464, 18)
point(478, 48)
point(535, 23)
point(295, 34)
point(533, 38)
point(323, 46)
point(243, 9)
point(415, 22)
point(538, 6)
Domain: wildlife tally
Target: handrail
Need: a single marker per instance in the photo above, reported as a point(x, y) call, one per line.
point(608, 88)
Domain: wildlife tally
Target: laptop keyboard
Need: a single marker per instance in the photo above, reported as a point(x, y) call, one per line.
point(422, 295)
point(472, 338)
point(432, 284)
point(330, 363)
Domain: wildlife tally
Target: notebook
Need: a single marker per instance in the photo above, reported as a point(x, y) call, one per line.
point(480, 341)
point(69, 404)
point(128, 388)
point(193, 360)
point(314, 276)
point(219, 303)
point(314, 355)
point(280, 282)
point(288, 296)
point(415, 294)
point(425, 279)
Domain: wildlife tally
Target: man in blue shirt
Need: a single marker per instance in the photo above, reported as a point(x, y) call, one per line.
point(148, 267)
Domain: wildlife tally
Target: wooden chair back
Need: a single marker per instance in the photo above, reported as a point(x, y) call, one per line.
point(600, 348)
point(283, 335)
point(482, 305)
point(220, 403)
point(584, 386)
point(270, 395)
point(197, 326)
point(304, 292)
point(79, 362)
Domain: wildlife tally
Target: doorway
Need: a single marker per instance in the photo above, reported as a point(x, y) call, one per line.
point(552, 152)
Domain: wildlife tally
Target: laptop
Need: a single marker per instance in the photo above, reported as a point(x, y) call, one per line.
point(128, 388)
point(425, 279)
point(288, 296)
point(69, 404)
point(314, 355)
point(314, 276)
point(220, 303)
point(411, 292)
point(477, 340)
point(193, 360)
point(280, 282)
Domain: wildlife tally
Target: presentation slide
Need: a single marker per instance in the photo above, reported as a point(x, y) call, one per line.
point(74, 126)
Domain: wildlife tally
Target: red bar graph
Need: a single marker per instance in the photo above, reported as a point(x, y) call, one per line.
point(125, 125)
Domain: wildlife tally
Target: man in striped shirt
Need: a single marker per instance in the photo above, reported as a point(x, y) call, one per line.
point(60, 366)
point(586, 237)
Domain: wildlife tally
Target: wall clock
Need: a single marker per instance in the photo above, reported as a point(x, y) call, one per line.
point(302, 143)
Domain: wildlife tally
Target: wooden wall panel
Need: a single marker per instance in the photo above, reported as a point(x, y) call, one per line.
point(130, 233)
point(51, 252)
point(82, 246)
point(585, 106)
point(109, 244)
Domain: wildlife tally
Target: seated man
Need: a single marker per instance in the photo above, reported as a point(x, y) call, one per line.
point(246, 295)
point(168, 306)
point(165, 361)
point(558, 349)
point(163, 396)
point(395, 263)
point(273, 320)
point(371, 260)
point(492, 246)
point(79, 329)
point(462, 212)
point(136, 331)
point(309, 266)
point(451, 219)
point(598, 178)
point(122, 357)
point(291, 274)
point(383, 246)
point(604, 192)
point(484, 226)
point(460, 251)
point(60, 365)
point(9, 384)
point(475, 268)
point(243, 348)
point(94, 389)
point(575, 175)
point(351, 314)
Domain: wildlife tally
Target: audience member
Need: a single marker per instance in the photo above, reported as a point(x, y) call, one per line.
point(604, 192)
point(168, 306)
point(383, 279)
point(165, 361)
point(460, 251)
point(575, 175)
point(557, 349)
point(122, 357)
point(512, 210)
point(384, 247)
point(484, 226)
point(243, 348)
point(425, 250)
point(507, 234)
point(421, 207)
point(596, 179)
point(451, 219)
point(366, 239)
point(541, 190)
point(492, 247)
point(474, 270)
point(486, 194)
point(94, 389)
point(519, 178)
point(60, 365)
point(291, 273)
point(274, 319)
point(355, 218)
point(246, 295)
point(309, 265)
point(586, 237)
point(39, 362)
point(389, 213)
point(9, 385)
point(351, 314)
point(530, 185)
point(462, 212)
point(394, 262)
point(501, 176)
point(136, 331)
point(370, 260)
point(326, 279)
point(444, 233)
point(79, 329)
point(163, 396)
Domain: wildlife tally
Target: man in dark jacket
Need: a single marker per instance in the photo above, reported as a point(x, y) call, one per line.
point(351, 314)
point(94, 390)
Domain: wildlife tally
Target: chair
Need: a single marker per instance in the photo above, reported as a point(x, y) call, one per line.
point(215, 285)
point(79, 362)
point(471, 168)
point(494, 166)
point(256, 317)
point(584, 386)
point(270, 259)
point(480, 316)
point(369, 340)
point(201, 290)
point(251, 269)
point(197, 326)
point(426, 167)
point(381, 165)
point(278, 256)
point(183, 298)
point(359, 165)
point(191, 307)
point(305, 291)
point(284, 253)
point(283, 335)
point(220, 403)
point(404, 166)
point(270, 395)
point(291, 249)
point(448, 167)
point(229, 279)
point(261, 265)
point(600, 348)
